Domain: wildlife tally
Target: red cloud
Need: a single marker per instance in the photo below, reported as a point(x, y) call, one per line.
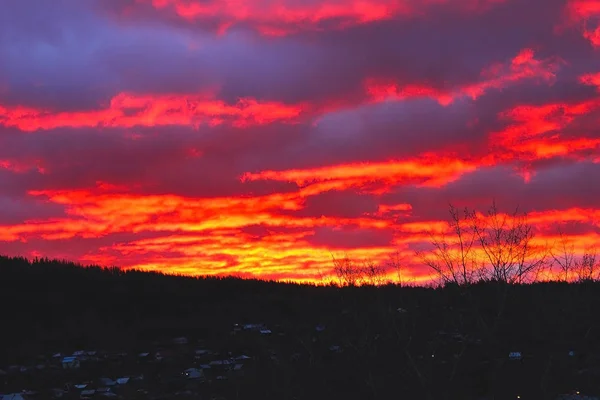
point(281, 17)
point(523, 66)
point(129, 110)
point(587, 12)
point(591, 79)
point(536, 131)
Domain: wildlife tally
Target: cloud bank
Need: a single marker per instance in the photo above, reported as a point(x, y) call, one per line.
point(257, 138)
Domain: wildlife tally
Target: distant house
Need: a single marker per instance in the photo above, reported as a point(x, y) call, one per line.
point(238, 369)
point(515, 355)
point(193, 373)
point(220, 362)
point(254, 327)
point(180, 340)
point(13, 396)
point(108, 382)
point(335, 349)
point(70, 362)
point(87, 394)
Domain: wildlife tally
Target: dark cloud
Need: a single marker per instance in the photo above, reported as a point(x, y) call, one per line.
point(18, 210)
point(106, 55)
point(571, 228)
point(563, 185)
point(340, 204)
point(349, 237)
point(260, 231)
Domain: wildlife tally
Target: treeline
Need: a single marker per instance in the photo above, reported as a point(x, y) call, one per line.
point(446, 342)
point(483, 246)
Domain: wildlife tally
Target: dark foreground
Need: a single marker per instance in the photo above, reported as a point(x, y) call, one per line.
point(316, 342)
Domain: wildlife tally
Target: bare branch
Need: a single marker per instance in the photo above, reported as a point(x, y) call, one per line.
point(587, 267)
point(350, 273)
point(507, 243)
point(453, 261)
point(564, 256)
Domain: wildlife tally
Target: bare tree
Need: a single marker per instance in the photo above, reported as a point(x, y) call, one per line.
point(395, 262)
point(507, 244)
point(564, 256)
point(454, 260)
point(587, 267)
point(352, 273)
point(493, 245)
point(325, 278)
point(373, 274)
point(347, 271)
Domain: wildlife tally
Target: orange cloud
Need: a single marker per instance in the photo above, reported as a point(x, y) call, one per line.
point(206, 236)
point(523, 66)
point(429, 170)
point(93, 214)
point(129, 110)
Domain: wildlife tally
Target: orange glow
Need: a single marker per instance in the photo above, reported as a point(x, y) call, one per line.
point(128, 110)
point(430, 171)
point(209, 243)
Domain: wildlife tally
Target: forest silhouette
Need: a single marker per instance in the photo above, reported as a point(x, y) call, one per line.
point(450, 341)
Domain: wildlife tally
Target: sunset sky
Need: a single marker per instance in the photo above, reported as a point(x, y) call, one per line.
point(258, 137)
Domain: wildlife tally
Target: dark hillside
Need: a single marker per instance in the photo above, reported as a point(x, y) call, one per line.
point(324, 342)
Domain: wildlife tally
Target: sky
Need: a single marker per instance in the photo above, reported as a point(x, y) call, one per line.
point(258, 138)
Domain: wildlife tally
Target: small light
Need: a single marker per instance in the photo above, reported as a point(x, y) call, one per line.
point(518, 397)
